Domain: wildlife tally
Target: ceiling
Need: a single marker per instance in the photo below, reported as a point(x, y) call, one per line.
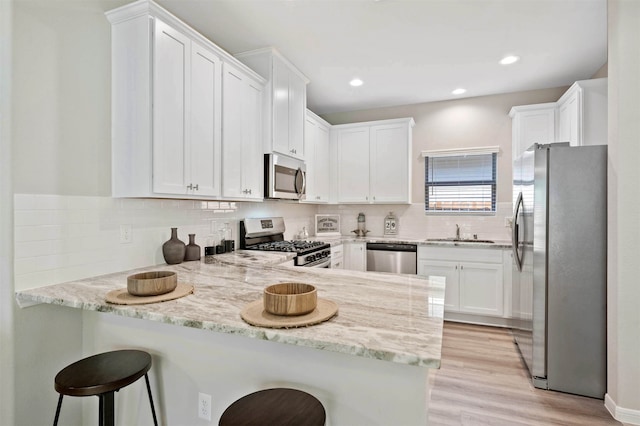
point(411, 51)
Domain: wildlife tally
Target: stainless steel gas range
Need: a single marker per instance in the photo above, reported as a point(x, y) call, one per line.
point(267, 234)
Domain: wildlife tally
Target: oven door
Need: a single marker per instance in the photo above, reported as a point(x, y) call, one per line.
point(285, 177)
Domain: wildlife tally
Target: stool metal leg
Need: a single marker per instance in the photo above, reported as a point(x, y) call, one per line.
point(55, 420)
point(153, 410)
point(107, 408)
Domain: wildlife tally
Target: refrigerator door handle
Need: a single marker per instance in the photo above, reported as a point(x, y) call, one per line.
point(514, 233)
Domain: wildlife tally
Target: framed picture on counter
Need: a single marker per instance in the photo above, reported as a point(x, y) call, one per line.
point(328, 225)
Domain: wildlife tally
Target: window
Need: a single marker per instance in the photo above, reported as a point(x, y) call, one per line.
point(460, 181)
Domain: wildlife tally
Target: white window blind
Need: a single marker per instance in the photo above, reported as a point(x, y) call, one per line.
point(460, 183)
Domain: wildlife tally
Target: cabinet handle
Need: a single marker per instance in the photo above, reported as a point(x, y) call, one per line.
point(456, 267)
point(366, 197)
point(374, 198)
point(249, 191)
point(191, 187)
point(461, 267)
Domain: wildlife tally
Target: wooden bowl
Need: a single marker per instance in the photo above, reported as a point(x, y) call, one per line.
point(152, 283)
point(290, 299)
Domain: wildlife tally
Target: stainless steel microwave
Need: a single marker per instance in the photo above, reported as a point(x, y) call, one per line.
point(285, 177)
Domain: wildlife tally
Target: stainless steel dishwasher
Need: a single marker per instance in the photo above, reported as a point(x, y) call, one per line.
point(392, 257)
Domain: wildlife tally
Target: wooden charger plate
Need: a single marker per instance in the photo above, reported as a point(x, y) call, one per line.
point(255, 314)
point(123, 297)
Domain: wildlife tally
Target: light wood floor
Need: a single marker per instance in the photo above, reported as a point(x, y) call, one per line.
point(482, 381)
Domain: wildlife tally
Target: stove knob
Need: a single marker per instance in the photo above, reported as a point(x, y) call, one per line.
point(309, 258)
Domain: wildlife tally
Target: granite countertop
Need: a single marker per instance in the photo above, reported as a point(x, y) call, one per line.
point(396, 318)
point(334, 240)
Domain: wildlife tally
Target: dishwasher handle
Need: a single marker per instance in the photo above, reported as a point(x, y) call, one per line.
point(392, 247)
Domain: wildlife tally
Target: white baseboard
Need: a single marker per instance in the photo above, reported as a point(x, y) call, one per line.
point(624, 415)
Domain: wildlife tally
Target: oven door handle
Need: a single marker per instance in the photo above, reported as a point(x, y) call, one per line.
point(324, 263)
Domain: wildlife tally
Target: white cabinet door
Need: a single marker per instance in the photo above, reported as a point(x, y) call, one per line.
point(316, 141)
point(170, 109)
point(252, 157)
point(337, 257)
point(449, 270)
point(568, 130)
point(297, 109)
point(532, 124)
point(353, 165)
point(321, 160)
point(204, 148)
point(280, 105)
point(481, 289)
point(242, 128)
point(355, 256)
point(389, 160)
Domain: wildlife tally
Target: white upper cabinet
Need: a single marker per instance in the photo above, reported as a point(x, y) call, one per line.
point(171, 66)
point(206, 116)
point(578, 117)
point(374, 161)
point(167, 106)
point(532, 124)
point(316, 140)
point(582, 113)
point(285, 101)
point(242, 138)
point(353, 164)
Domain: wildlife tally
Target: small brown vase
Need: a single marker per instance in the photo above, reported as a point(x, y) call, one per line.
point(193, 250)
point(173, 250)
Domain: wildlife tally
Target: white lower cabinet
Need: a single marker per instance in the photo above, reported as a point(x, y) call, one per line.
point(474, 278)
point(337, 257)
point(355, 256)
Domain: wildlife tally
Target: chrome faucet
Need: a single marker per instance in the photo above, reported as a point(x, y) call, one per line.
point(457, 231)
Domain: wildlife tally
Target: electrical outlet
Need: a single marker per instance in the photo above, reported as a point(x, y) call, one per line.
point(125, 234)
point(204, 406)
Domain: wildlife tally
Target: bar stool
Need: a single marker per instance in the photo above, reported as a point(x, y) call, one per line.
point(278, 406)
point(101, 375)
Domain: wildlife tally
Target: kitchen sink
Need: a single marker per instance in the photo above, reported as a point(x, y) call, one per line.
point(459, 240)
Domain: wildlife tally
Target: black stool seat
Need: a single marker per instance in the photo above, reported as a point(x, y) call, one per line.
point(102, 375)
point(278, 406)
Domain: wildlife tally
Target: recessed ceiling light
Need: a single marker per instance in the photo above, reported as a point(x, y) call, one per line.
point(356, 82)
point(459, 91)
point(508, 60)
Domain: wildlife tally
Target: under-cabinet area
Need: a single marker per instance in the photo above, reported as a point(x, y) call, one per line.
point(478, 282)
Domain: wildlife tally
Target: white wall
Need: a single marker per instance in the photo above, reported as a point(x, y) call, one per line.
point(623, 388)
point(7, 391)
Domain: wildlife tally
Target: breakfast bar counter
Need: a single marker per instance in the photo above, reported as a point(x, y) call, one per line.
point(368, 365)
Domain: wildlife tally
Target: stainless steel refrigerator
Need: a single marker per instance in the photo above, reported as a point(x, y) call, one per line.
point(559, 233)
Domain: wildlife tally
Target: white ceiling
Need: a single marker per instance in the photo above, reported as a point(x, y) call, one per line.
point(411, 51)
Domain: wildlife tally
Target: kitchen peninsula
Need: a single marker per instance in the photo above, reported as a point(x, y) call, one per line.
point(368, 365)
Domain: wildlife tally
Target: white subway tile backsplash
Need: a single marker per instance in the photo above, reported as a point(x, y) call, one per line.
point(61, 238)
